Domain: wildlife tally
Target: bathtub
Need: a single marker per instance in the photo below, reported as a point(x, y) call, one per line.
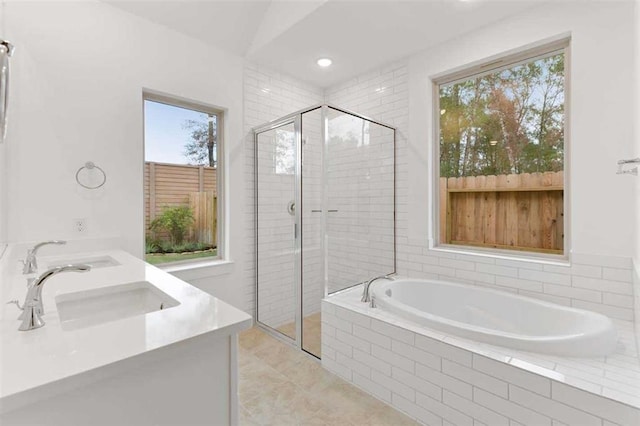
point(497, 318)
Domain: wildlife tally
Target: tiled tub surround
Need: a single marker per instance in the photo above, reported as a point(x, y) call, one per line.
point(441, 379)
point(597, 283)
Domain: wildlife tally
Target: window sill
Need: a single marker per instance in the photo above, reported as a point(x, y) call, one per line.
point(556, 260)
point(199, 269)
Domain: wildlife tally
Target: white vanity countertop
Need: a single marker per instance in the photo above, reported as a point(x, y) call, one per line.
point(32, 359)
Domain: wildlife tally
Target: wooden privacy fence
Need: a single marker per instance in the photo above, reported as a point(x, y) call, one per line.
point(204, 206)
point(170, 185)
point(517, 212)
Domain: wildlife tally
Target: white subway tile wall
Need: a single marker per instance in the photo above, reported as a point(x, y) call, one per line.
point(440, 383)
point(276, 264)
point(360, 203)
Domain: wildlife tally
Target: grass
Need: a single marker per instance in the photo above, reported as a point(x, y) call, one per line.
point(157, 259)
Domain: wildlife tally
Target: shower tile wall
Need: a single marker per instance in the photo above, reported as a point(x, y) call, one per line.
point(359, 238)
point(360, 200)
point(381, 95)
point(269, 95)
point(276, 242)
point(598, 283)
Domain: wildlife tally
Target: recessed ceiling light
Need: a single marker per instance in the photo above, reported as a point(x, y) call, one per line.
point(324, 62)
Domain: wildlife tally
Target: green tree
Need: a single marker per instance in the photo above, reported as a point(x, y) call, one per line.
point(510, 121)
point(176, 221)
point(201, 148)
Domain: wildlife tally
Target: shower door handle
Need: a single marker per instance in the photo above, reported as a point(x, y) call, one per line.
point(291, 208)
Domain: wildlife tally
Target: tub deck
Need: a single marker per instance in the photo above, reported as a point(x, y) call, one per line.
point(615, 377)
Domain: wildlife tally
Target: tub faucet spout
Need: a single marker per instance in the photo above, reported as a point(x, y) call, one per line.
point(366, 296)
point(33, 308)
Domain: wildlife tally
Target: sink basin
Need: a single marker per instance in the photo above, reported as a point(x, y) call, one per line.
point(94, 262)
point(92, 307)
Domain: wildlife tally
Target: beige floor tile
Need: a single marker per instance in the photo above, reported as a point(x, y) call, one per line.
point(284, 401)
point(254, 339)
point(245, 418)
point(280, 386)
point(387, 416)
point(310, 376)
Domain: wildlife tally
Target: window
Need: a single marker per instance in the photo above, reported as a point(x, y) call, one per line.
point(285, 155)
point(182, 175)
point(501, 150)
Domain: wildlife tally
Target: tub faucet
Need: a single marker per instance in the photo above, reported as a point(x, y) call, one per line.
point(33, 308)
point(31, 263)
point(366, 297)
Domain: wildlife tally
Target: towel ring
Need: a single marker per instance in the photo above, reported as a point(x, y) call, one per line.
point(89, 165)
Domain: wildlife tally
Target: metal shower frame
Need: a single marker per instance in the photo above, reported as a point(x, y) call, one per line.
point(295, 118)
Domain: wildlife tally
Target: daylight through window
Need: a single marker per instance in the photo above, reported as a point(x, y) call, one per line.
point(182, 143)
point(502, 155)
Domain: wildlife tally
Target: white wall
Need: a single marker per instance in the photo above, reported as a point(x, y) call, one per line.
point(602, 205)
point(601, 108)
point(79, 72)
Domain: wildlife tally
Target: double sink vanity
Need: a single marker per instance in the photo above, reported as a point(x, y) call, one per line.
point(121, 343)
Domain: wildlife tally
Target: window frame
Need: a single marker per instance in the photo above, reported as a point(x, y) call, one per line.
point(219, 112)
point(486, 66)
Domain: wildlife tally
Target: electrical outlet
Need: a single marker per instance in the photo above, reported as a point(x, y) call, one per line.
point(80, 225)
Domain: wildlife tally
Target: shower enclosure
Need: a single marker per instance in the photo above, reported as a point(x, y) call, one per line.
point(325, 214)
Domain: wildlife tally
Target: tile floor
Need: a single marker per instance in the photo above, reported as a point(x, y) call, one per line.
point(311, 333)
point(282, 386)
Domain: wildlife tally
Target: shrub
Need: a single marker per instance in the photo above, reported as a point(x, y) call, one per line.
point(176, 221)
point(152, 246)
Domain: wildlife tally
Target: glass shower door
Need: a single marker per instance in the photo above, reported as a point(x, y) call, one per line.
point(359, 170)
point(313, 215)
point(277, 251)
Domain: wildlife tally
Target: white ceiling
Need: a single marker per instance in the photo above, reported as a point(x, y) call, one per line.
point(289, 36)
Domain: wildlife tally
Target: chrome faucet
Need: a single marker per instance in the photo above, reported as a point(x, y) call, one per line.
point(33, 309)
point(30, 263)
point(366, 297)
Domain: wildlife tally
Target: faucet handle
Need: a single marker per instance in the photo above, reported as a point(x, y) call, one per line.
point(31, 263)
point(17, 303)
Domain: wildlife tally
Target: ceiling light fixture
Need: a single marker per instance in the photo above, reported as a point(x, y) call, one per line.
point(324, 62)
